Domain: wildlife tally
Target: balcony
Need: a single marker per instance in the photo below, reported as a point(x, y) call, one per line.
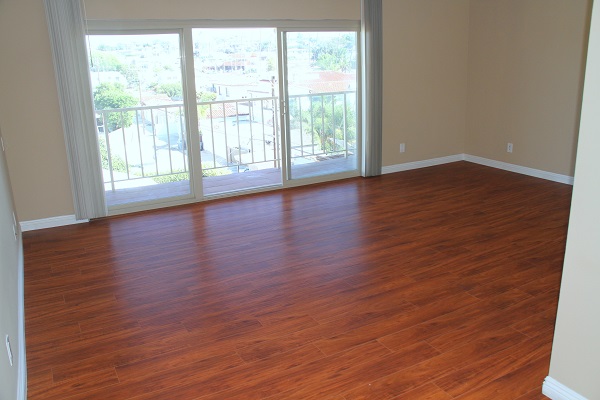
point(144, 150)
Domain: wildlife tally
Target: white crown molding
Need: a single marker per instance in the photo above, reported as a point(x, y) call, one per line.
point(538, 173)
point(52, 222)
point(557, 391)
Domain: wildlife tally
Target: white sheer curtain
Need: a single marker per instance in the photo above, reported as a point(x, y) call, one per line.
point(67, 38)
point(372, 63)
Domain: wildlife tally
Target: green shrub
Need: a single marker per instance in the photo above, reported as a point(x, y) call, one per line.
point(176, 177)
point(214, 172)
point(110, 95)
point(171, 89)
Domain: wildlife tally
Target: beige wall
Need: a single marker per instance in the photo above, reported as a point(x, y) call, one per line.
point(30, 113)
point(223, 9)
point(576, 349)
point(525, 75)
point(425, 46)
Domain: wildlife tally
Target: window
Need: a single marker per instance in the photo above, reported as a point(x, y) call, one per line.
point(251, 108)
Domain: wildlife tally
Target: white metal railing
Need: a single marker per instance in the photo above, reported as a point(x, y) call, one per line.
point(241, 134)
point(142, 142)
point(150, 142)
point(322, 125)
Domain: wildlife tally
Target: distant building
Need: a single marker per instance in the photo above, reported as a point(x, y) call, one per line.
point(323, 82)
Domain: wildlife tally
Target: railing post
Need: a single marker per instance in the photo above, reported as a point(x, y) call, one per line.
point(312, 124)
point(323, 134)
point(264, 135)
point(237, 124)
point(345, 126)
point(137, 124)
point(183, 138)
point(301, 130)
point(251, 133)
point(227, 152)
point(275, 109)
point(168, 139)
point(212, 134)
point(154, 140)
point(108, 152)
point(333, 143)
point(124, 144)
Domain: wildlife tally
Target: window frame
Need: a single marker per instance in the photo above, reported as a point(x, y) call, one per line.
point(184, 29)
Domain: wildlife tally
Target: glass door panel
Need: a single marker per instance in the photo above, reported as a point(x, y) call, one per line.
point(321, 91)
point(141, 124)
point(238, 116)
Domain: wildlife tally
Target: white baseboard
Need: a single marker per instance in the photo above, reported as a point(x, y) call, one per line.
point(557, 391)
point(52, 222)
point(422, 164)
point(538, 173)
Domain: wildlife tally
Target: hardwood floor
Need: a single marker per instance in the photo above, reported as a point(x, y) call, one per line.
point(438, 283)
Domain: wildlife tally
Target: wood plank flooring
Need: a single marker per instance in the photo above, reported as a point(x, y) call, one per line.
point(438, 283)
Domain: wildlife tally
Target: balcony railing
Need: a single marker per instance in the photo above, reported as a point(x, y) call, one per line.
point(139, 143)
point(148, 145)
point(322, 125)
point(239, 134)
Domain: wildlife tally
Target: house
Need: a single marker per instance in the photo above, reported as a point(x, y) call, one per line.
point(323, 82)
point(462, 78)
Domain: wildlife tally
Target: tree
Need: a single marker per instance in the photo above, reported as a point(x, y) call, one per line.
point(172, 89)
point(111, 95)
point(106, 61)
point(335, 54)
point(326, 120)
point(204, 97)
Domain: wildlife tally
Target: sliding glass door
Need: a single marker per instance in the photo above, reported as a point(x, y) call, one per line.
point(321, 94)
point(186, 114)
point(238, 115)
point(137, 86)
